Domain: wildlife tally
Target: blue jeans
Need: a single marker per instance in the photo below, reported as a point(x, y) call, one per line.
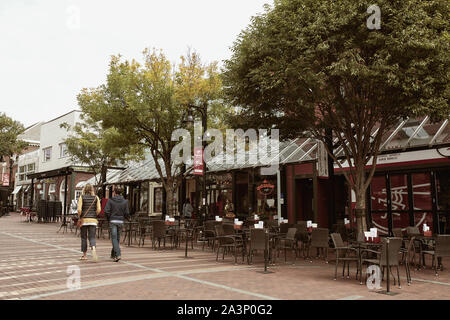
point(116, 228)
point(85, 231)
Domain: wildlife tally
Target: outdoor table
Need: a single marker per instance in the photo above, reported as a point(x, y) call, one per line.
point(129, 227)
point(359, 245)
point(189, 233)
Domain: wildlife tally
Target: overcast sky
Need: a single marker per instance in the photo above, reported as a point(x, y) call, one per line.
point(51, 49)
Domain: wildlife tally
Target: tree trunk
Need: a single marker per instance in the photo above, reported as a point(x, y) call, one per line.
point(360, 211)
point(169, 197)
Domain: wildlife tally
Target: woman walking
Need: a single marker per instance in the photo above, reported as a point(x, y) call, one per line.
point(88, 209)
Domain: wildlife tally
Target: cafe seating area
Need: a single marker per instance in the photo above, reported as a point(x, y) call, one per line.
point(266, 244)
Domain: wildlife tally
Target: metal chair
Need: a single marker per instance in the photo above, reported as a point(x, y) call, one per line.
point(441, 249)
point(159, 233)
point(289, 241)
point(228, 242)
point(342, 254)
point(257, 242)
point(395, 245)
point(319, 240)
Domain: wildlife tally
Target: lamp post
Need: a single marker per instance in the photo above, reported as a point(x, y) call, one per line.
point(190, 120)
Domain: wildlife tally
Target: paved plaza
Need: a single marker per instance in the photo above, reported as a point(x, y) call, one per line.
point(36, 263)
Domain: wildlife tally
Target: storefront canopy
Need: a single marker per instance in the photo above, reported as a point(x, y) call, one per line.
point(17, 189)
point(409, 134)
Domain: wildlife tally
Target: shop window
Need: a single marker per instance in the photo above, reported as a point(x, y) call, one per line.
point(421, 191)
point(380, 221)
point(144, 197)
point(158, 200)
point(443, 190)
point(423, 217)
point(399, 192)
point(378, 193)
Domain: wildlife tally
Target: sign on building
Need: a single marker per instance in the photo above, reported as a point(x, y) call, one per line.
point(322, 161)
point(5, 179)
point(198, 161)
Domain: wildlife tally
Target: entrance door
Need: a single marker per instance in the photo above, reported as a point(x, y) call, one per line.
point(304, 198)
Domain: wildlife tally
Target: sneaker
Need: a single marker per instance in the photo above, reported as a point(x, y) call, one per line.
point(116, 259)
point(94, 254)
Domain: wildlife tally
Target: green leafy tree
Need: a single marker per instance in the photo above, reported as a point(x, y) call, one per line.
point(314, 65)
point(145, 103)
point(98, 148)
point(10, 129)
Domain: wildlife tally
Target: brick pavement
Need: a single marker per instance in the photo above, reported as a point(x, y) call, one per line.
point(34, 259)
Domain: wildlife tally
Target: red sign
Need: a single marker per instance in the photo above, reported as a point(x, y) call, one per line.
point(5, 179)
point(198, 161)
point(266, 188)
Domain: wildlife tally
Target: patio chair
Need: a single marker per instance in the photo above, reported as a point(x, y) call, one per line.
point(395, 245)
point(228, 242)
point(319, 240)
point(284, 227)
point(228, 229)
point(145, 228)
point(441, 249)
point(208, 234)
point(257, 242)
point(343, 254)
point(289, 241)
point(412, 232)
point(302, 236)
point(407, 252)
point(160, 232)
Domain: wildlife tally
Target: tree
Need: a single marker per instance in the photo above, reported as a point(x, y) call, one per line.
point(145, 103)
point(9, 132)
point(89, 143)
point(308, 66)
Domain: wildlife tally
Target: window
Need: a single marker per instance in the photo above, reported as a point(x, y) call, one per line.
point(157, 205)
point(47, 154)
point(25, 170)
point(63, 150)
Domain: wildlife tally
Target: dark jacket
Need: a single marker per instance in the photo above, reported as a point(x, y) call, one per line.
point(117, 208)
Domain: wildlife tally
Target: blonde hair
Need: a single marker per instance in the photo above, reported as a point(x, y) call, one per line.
point(88, 189)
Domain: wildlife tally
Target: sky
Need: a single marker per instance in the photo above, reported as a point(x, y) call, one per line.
point(51, 49)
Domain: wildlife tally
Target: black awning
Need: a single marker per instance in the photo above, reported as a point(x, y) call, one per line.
point(52, 173)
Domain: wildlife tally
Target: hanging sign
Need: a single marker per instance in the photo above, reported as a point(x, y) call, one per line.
point(198, 161)
point(5, 179)
point(265, 188)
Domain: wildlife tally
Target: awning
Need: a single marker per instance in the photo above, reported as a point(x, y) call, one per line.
point(17, 189)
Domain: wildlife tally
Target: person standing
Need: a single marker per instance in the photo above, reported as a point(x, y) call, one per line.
point(88, 209)
point(116, 211)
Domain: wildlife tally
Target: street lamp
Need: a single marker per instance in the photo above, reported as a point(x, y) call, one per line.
point(189, 120)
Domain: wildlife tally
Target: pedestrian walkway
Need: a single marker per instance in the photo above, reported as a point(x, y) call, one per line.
point(36, 263)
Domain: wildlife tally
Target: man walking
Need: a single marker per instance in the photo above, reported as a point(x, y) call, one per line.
point(116, 210)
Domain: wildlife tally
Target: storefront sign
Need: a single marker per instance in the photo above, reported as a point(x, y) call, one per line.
point(5, 179)
point(198, 161)
point(322, 161)
point(266, 188)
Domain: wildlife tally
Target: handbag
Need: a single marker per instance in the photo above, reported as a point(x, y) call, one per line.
point(79, 222)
